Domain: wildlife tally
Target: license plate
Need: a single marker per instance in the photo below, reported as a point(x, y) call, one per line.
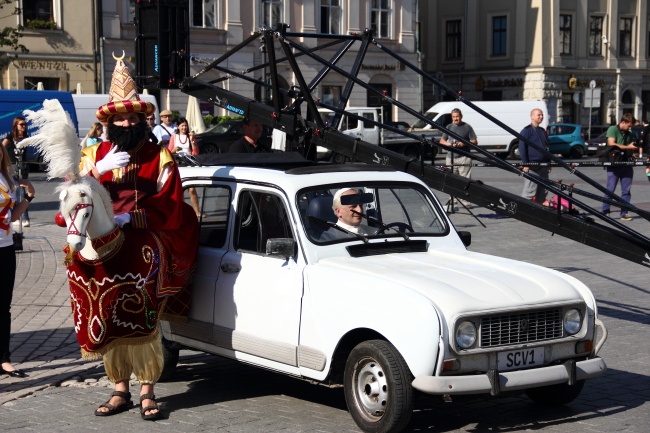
point(517, 359)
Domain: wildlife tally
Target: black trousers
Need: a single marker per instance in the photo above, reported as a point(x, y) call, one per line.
point(7, 279)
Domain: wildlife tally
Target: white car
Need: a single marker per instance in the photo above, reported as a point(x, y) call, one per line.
point(407, 307)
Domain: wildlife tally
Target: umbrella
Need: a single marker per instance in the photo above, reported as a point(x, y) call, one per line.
point(80, 89)
point(39, 86)
point(194, 116)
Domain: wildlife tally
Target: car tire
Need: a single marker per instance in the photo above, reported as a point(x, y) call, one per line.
point(377, 386)
point(412, 151)
point(513, 152)
point(576, 152)
point(210, 148)
point(170, 352)
point(337, 158)
point(555, 395)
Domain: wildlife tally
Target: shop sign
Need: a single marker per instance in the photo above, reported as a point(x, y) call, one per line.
point(41, 64)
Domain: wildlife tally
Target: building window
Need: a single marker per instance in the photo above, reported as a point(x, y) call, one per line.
point(380, 18)
point(499, 35)
point(331, 95)
point(330, 16)
point(453, 40)
point(625, 37)
point(204, 13)
point(595, 36)
point(271, 13)
point(565, 34)
point(39, 14)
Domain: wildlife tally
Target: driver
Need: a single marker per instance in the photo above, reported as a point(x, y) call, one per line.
point(348, 216)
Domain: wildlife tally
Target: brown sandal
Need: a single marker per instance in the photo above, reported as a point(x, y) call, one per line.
point(152, 416)
point(114, 410)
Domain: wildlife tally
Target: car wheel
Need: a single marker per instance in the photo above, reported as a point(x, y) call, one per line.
point(412, 151)
point(378, 388)
point(210, 148)
point(337, 158)
point(576, 152)
point(513, 153)
point(170, 359)
point(555, 395)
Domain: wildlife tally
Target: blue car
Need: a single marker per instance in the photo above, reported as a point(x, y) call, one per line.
point(567, 139)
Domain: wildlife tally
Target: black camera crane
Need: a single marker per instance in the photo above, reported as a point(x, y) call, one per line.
point(306, 130)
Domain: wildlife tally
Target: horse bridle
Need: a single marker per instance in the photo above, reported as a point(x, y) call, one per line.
point(73, 230)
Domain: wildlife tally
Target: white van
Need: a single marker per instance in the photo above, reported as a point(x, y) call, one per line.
point(490, 136)
point(86, 106)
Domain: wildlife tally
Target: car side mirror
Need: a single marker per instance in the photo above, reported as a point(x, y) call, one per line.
point(465, 237)
point(281, 247)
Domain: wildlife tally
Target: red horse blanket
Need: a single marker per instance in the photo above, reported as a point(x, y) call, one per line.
point(116, 299)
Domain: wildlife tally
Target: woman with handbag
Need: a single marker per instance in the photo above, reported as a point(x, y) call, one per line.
point(10, 210)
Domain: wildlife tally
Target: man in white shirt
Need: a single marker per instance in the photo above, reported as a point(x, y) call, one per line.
point(166, 129)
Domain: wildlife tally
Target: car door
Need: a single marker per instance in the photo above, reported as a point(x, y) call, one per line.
point(214, 203)
point(560, 138)
point(258, 295)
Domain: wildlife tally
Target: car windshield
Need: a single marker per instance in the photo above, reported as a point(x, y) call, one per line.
point(219, 128)
point(402, 210)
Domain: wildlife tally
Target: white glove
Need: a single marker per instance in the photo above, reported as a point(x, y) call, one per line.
point(122, 219)
point(112, 160)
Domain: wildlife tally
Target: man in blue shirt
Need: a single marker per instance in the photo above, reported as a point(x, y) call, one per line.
point(537, 135)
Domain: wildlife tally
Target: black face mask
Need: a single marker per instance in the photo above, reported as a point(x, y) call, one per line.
point(127, 138)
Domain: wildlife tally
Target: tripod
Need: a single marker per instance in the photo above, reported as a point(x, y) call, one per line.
point(450, 205)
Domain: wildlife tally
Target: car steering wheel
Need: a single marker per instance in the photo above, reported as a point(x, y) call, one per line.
point(402, 227)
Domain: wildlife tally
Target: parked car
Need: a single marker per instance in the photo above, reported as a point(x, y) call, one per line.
point(218, 138)
point(595, 143)
point(404, 308)
point(596, 130)
point(566, 139)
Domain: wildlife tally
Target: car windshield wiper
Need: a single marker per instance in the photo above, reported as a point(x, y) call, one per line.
point(339, 228)
point(381, 224)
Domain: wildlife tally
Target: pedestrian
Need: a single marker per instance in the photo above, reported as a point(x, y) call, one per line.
point(249, 142)
point(165, 129)
point(151, 124)
point(537, 135)
point(460, 164)
point(20, 169)
point(11, 208)
point(183, 142)
point(94, 135)
point(144, 184)
point(622, 140)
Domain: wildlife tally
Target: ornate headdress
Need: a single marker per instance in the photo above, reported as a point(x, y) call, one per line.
point(123, 96)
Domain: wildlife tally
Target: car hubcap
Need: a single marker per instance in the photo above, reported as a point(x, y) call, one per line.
point(372, 389)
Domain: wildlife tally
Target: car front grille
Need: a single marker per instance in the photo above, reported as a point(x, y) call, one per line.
point(531, 326)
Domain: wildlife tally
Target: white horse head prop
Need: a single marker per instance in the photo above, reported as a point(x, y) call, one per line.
point(88, 213)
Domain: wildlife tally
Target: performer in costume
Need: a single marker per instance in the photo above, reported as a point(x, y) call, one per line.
point(145, 188)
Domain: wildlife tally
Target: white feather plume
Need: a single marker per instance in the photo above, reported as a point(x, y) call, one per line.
point(56, 139)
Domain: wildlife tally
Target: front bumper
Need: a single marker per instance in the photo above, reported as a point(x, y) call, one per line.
point(494, 382)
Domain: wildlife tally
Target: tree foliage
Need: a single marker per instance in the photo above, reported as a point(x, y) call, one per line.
point(10, 36)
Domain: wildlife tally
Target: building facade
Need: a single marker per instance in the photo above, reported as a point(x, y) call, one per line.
point(85, 34)
point(63, 46)
point(552, 50)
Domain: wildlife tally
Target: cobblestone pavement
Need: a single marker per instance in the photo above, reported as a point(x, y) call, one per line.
point(213, 394)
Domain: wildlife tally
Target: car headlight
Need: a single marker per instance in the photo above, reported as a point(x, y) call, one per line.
point(465, 334)
point(572, 321)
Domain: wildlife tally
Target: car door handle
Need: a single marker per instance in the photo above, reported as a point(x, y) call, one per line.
point(230, 268)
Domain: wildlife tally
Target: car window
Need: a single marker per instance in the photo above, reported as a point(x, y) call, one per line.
point(213, 204)
point(405, 208)
point(260, 216)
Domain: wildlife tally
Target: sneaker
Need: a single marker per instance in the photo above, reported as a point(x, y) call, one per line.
point(26, 223)
point(626, 218)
